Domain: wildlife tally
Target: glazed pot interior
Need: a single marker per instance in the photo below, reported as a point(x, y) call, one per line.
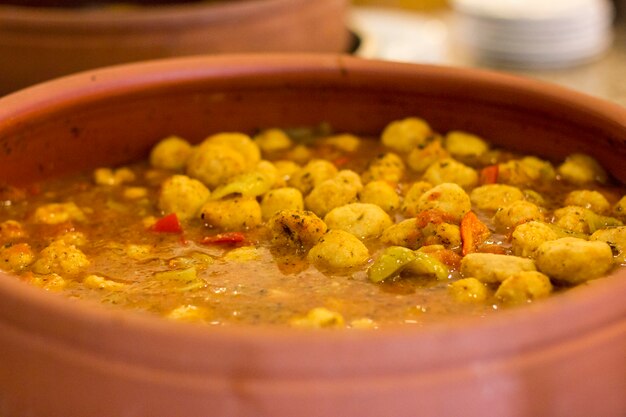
point(113, 116)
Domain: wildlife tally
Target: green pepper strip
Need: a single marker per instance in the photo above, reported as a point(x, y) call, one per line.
point(390, 263)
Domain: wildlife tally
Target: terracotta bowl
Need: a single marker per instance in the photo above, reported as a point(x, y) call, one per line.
point(562, 357)
point(39, 43)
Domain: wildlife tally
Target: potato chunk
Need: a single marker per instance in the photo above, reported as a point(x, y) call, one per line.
point(365, 221)
point(286, 198)
point(619, 209)
point(380, 193)
point(135, 193)
point(495, 196)
point(527, 237)
point(468, 290)
point(404, 233)
point(97, 282)
point(243, 254)
point(588, 199)
point(344, 141)
point(404, 135)
point(273, 140)
point(522, 172)
point(189, 313)
point(410, 204)
point(386, 167)
point(490, 267)
point(582, 220)
point(284, 170)
point(581, 169)
point(517, 213)
point(449, 198)
point(300, 154)
point(232, 214)
point(170, 153)
point(574, 260)
point(616, 239)
point(449, 170)
point(319, 317)
point(524, 287)
point(56, 213)
point(463, 144)
point(338, 191)
point(311, 175)
point(338, 250)
point(534, 197)
point(11, 230)
point(49, 282)
point(238, 142)
point(574, 218)
point(215, 164)
point(108, 176)
point(182, 195)
point(16, 257)
point(60, 258)
point(299, 229)
point(445, 234)
point(423, 156)
point(409, 234)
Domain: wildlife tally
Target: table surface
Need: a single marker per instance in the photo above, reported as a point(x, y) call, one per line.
point(409, 36)
point(605, 77)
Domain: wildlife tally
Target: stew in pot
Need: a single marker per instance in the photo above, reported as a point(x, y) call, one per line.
point(309, 228)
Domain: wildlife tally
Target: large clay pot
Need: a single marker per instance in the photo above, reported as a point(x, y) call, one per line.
point(39, 43)
point(565, 356)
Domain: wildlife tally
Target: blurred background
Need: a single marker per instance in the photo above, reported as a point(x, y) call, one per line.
point(580, 44)
point(577, 43)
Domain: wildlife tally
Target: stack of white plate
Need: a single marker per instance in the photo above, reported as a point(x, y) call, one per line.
point(398, 35)
point(535, 33)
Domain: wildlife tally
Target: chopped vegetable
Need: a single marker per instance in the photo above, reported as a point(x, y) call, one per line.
point(318, 318)
point(187, 274)
point(189, 313)
point(185, 279)
point(473, 233)
point(168, 224)
point(445, 256)
point(468, 290)
point(425, 264)
point(224, 238)
point(433, 216)
point(561, 232)
point(390, 263)
point(395, 259)
point(488, 175)
point(597, 222)
point(341, 161)
point(249, 184)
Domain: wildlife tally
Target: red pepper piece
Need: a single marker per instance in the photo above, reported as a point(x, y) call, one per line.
point(473, 233)
point(433, 216)
point(341, 161)
point(489, 175)
point(227, 238)
point(168, 224)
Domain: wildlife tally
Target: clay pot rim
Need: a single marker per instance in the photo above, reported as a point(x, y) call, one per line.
point(538, 326)
point(138, 76)
point(24, 18)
